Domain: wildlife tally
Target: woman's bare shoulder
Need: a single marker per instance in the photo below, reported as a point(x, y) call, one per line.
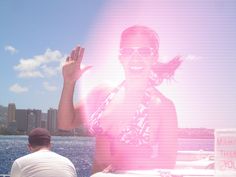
point(160, 99)
point(93, 99)
point(99, 92)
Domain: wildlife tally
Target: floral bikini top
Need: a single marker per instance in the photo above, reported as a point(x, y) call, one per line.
point(137, 132)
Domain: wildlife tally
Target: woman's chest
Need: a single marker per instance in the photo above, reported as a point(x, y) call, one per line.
point(125, 109)
point(117, 117)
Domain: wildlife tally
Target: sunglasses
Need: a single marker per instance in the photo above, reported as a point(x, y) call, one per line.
point(142, 51)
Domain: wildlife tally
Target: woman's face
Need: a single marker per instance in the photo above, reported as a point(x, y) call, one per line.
point(137, 55)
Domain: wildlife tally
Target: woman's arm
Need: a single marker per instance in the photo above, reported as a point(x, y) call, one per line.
point(163, 124)
point(67, 113)
point(168, 136)
point(102, 157)
point(66, 109)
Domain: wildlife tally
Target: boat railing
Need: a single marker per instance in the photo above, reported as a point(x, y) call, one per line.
point(4, 175)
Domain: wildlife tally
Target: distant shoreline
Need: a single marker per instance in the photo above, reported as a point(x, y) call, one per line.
point(186, 133)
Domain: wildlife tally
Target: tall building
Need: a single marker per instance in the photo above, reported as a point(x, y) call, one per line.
point(31, 120)
point(11, 113)
point(21, 120)
point(34, 117)
point(44, 118)
point(43, 124)
point(52, 120)
point(27, 119)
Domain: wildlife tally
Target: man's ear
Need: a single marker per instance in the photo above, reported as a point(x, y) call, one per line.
point(50, 146)
point(29, 147)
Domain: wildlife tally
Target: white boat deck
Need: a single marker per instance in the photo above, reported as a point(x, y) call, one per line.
point(160, 173)
point(189, 164)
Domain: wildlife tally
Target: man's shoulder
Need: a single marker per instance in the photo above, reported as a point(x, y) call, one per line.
point(60, 156)
point(57, 163)
point(25, 158)
point(40, 156)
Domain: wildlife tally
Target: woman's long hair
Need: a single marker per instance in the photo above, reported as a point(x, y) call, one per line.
point(164, 71)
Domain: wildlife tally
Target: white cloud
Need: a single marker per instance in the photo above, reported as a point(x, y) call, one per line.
point(49, 87)
point(188, 57)
point(10, 49)
point(192, 57)
point(49, 71)
point(40, 65)
point(30, 74)
point(16, 88)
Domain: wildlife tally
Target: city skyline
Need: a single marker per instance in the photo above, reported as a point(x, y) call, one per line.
point(24, 120)
point(36, 37)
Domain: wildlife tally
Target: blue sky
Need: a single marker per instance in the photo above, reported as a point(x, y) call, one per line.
point(36, 36)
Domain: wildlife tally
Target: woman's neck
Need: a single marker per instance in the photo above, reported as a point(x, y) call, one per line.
point(135, 88)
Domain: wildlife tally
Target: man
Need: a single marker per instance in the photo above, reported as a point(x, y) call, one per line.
point(42, 162)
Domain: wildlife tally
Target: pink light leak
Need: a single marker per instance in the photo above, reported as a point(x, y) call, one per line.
point(102, 53)
point(102, 47)
point(176, 26)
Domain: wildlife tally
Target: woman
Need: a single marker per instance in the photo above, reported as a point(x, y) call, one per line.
point(134, 124)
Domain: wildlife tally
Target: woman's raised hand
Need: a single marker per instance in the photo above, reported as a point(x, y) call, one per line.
point(72, 67)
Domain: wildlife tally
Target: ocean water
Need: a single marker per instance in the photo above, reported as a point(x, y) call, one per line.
point(78, 149)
